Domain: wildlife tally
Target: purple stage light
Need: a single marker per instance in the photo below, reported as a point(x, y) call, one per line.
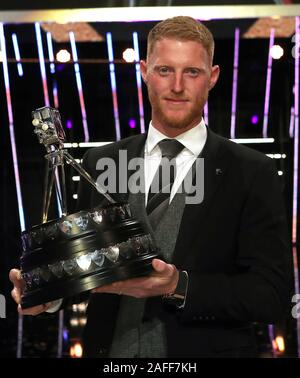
point(132, 123)
point(268, 85)
point(295, 173)
point(69, 124)
point(42, 62)
point(52, 69)
point(65, 335)
point(60, 67)
point(139, 80)
point(79, 87)
point(235, 82)
point(113, 84)
point(254, 119)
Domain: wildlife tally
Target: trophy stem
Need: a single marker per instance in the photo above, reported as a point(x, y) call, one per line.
point(61, 189)
point(55, 169)
point(84, 174)
point(48, 190)
point(45, 197)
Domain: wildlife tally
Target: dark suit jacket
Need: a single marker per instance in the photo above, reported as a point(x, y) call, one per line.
point(234, 246)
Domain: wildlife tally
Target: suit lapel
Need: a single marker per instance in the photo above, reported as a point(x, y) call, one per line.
point(193, 219)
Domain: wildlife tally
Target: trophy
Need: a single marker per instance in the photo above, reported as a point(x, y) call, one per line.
point(81, 251)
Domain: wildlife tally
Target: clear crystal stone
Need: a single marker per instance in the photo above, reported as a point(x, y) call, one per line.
point(81, 222)
point(84, 261)
point(70, 266)
point(66, 227)
point(112, 253)
point(126, 251)
point(57, 269)
point(98, 257)
point(137, 245)
point(97, 217)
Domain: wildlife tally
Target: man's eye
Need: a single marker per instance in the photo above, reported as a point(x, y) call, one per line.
point(163, 70)
point(193, 72)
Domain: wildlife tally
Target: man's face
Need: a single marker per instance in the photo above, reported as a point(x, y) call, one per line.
point(178, 75)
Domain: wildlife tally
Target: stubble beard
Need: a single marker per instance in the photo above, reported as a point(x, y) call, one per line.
point(192, 118)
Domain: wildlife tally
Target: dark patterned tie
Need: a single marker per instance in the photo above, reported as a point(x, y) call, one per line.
point(160, 188)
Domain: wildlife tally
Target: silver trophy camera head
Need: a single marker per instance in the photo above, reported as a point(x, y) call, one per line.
point(48, 127)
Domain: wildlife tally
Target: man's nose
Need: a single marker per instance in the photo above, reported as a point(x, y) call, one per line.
point(178, 83)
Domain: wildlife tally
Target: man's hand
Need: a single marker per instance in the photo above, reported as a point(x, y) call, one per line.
point(162, 281)
point(17, 292)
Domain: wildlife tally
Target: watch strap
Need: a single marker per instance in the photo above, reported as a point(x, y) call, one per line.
point(178, 297)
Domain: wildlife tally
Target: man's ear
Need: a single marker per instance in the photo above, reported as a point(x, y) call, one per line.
point(143, 66)
point(215, 72)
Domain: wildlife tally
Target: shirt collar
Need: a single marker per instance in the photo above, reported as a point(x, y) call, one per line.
point(193, 139)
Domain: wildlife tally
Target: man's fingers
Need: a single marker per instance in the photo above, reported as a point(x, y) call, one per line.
point(162, 267)
point(16, 278)
point(121, 286)
point(16, 294)
point(143, 286)
point(36, 310)
point(102, 289)
point(111, 288)
point(19, 284)
point(114, 288)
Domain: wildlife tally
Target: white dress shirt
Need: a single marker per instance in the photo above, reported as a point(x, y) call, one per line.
point(193, 141)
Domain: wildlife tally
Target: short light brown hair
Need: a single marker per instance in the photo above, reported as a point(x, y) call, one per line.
point(182, 28)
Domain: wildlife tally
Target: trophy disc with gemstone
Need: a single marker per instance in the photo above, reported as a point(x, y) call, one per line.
point(81, 251)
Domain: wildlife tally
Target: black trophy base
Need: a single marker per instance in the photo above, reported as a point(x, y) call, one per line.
point(141, 266)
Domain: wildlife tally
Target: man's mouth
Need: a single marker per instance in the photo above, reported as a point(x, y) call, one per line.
point(176, 100)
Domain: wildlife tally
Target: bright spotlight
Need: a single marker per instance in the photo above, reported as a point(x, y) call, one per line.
point(76, 350)
point(129, 55)
point(276, 52)
point(63, 56)
point(280, 344)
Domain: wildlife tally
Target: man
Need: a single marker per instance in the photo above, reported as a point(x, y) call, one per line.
point(226, 258)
